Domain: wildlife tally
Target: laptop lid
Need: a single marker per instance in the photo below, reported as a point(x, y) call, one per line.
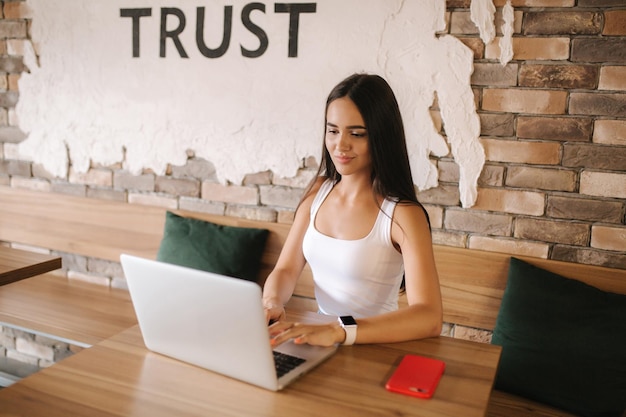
point(209, 320)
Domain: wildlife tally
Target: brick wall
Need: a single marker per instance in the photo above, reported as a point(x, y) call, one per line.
point(553, 128)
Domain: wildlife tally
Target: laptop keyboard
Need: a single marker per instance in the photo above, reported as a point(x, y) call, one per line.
point(285, 363)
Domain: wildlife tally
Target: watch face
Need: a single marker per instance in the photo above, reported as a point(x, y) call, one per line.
point(348, 320)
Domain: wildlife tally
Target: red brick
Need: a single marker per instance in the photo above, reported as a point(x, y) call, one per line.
point(448, 171)
point(491, 176)
point(509, 245)
point(201, 206)
point(13, 81)
point(445, 238)
point(541, 178)
point(280, 196)
point(524, 101)
point(598, 104)
point(612, 78)
point(566, 232)
point(153, 200)
point(594, 156)
point(532, 49)
point(497, 124)
point(568, 129)
point(603, 184)
point(542, 153)
point(13, 29)
point(610, 132)
point(478, 222)
point(614, 22)
point(263, 214)
point(558, 76)
point(584, 209)
point(536, 3)
point(12, 64)
point(589, 256)
point(562, 23)
point(599, 50)
point(236, 194)
point(600, 3)
point(17, 10)
point(510, 201)
point(494, 74)
point(609, 237)
point(178, 186)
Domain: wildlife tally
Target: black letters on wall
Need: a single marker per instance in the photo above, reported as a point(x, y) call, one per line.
point(220, 50)
point(260, 33)
point(168, 14)
point(135, 14)
point(294, 10)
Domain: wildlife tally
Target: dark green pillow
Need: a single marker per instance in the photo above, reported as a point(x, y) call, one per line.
point(226, 250)
point(563, 342)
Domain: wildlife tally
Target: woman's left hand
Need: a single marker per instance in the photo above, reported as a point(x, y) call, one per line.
point(313, 334)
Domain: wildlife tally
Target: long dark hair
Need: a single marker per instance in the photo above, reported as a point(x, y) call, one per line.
point(391, 170)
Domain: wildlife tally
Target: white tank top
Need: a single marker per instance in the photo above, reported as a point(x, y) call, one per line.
point(354, 277)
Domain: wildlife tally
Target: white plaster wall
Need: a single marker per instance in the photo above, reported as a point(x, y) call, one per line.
point(86, 99)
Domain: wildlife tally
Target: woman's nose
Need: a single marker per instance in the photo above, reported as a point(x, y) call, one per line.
point(344, 142)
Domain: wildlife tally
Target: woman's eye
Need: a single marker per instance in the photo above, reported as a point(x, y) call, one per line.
point(359, 134)
point(332, 131)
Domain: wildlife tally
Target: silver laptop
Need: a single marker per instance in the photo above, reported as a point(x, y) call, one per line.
point(212, 321)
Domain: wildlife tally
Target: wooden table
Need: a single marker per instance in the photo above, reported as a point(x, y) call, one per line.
point(119, 377)
point(76, 312)
point(18, 264)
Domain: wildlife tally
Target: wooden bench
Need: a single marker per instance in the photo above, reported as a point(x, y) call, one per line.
point(472, 282)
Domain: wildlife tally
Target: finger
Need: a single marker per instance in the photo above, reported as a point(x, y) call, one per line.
point(279, 327)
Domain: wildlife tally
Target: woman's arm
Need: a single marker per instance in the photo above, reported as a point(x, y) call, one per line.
point(423, 317)
point(420, 319)
point(281, 282)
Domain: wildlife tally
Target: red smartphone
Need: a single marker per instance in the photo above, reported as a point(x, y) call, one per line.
point(417, 376)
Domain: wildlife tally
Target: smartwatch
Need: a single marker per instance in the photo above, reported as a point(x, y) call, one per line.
point(348, 324)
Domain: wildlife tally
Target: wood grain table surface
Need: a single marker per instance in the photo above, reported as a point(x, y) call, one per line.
point(120, 377)
point(17, 264)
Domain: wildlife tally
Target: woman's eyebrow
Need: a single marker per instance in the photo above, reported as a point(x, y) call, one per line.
point(347, 127)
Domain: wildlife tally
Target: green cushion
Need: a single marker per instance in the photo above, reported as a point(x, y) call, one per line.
point(563, 342)
point(226, 250)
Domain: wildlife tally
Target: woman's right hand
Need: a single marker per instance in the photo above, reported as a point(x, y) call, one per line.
point(274, 312)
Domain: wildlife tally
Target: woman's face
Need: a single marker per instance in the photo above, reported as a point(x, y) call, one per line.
point(347, 139)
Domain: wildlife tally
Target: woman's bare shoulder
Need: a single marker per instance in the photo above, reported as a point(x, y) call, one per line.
point(411, 217)
point(311, 192)
point(410, 211)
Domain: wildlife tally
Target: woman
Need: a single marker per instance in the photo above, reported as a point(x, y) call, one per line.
point(361, 229)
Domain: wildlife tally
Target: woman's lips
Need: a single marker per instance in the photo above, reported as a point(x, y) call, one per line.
point(342, 159)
